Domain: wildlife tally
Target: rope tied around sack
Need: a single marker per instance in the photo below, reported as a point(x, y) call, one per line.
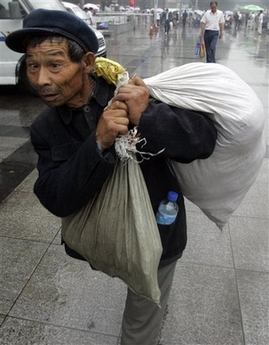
point(126, 149)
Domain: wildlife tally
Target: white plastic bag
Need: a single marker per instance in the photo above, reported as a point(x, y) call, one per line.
point(217, 184)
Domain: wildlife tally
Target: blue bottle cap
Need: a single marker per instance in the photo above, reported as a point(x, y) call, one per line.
point(172, 196)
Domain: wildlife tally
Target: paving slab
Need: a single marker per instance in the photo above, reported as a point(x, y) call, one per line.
point(203, 307)
point(253, 290)
point(21, 332)
point(67, 292)
point(19, 259)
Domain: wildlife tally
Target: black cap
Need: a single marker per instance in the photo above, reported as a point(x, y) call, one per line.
point(43, 21)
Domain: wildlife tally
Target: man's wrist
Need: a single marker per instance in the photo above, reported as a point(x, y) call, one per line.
point(99, 146)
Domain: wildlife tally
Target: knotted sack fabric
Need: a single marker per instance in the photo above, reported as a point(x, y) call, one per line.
point(218, 184)
point(116, 232)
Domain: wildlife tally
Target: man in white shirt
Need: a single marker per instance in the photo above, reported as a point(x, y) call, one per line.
point(212, 24)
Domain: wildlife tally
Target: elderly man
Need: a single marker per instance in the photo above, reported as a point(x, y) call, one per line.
point(74, 138)
point(212, 24)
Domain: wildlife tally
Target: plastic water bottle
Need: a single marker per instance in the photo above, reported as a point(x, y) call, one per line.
point(197, 49)
point(168, 209)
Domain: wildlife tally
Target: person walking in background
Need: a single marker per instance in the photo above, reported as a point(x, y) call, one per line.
point(260, 23)
point(184, 18)
point(157, 18)
point(236, 20)
point(167, 17)
point(239, 22)
point(88, 12)
point(212, 25)
point(256, 20)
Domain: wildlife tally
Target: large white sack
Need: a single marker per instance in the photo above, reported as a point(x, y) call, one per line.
point(217, 184)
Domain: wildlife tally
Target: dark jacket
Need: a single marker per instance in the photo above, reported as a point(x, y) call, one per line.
point(72, 169)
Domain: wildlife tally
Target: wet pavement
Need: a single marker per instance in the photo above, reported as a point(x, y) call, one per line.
point(220, 292)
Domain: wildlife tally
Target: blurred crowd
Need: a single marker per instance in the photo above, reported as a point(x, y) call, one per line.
point(257, 21)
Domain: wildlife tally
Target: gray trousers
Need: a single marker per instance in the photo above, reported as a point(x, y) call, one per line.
point(142, 319)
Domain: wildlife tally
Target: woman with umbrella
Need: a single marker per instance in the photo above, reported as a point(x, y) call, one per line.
point(258, 18)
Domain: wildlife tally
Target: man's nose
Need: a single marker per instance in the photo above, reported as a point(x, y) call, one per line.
point(43, 77)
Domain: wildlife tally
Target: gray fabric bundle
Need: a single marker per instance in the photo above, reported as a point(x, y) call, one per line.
point(116, 232)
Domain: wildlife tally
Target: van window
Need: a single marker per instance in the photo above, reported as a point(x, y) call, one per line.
point(48, 4)
point(11, 10)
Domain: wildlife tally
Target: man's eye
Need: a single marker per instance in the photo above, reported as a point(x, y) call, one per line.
point(32, 66)
point(55, 65)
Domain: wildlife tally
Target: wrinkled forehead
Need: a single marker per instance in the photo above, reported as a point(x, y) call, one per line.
point(47, 48)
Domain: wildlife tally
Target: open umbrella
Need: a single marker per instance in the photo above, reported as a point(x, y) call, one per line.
point(199, 12)
point(158, 10)
point(251, 8)
point(89, 5)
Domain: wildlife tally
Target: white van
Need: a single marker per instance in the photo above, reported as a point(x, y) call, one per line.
point(12, 12)
point(72, 8)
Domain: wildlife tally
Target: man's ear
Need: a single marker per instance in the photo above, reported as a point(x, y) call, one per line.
point(89, 60)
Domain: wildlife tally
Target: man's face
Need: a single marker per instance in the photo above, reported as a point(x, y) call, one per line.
point(213, 7)
point(57, 79)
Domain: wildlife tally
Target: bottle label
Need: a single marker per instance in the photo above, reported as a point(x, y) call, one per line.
point(165, 219)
